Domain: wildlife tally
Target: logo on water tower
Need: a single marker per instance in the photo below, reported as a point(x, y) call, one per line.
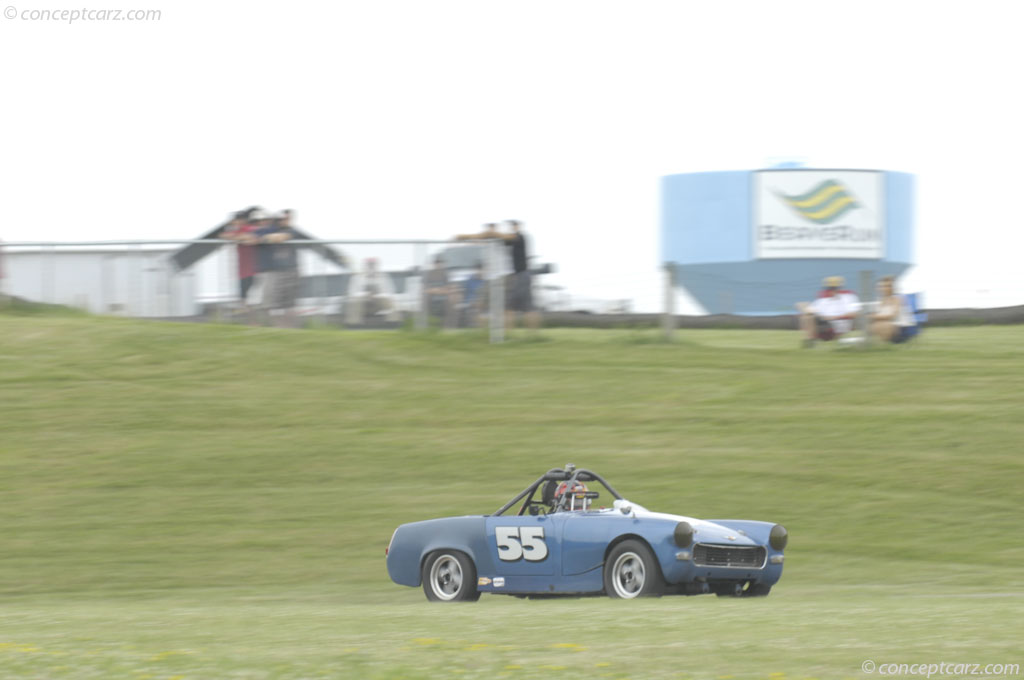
point(824, 204)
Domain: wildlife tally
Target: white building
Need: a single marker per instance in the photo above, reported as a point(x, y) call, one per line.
point(119, 280)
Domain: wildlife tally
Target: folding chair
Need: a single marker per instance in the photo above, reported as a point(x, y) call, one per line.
point(920, 318)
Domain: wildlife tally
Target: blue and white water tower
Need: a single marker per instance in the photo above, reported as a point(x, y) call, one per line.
point(755, 242)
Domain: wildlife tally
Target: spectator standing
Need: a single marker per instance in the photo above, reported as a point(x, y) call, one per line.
point(278, 264)
point(518, 284)
point(830, 315)
point(240, 230)
point(520, 290)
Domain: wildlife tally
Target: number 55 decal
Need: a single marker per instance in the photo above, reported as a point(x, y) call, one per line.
point(516, 543)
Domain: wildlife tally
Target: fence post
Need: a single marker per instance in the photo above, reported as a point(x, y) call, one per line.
point(866, 276)
point(419, 256)
point(4, 301)
point(668, 319)
point(496, 277)
point(321, 301)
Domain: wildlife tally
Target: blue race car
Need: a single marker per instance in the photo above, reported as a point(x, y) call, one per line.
point(557, 543)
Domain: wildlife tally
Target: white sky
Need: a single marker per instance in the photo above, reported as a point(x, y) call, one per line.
point(426, 118)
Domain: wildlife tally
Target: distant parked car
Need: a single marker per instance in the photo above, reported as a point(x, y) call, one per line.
point(556, 543)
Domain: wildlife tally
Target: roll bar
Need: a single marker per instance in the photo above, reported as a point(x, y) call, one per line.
point(569, 474)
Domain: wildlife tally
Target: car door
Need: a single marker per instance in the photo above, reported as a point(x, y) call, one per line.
point(585, 539)
point(526, 546)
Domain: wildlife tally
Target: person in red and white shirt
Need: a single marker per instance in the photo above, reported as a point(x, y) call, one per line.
point(240, 230)
point(830, 315)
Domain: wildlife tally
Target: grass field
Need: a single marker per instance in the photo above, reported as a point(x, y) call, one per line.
point(190, 501)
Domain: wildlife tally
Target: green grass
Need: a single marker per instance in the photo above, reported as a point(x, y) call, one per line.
point(15, 306)
point(214, 501)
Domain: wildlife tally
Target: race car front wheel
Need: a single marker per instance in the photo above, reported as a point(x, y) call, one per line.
point(757, 590)
point(631, 570)
point(738, 590)
point(449, 576)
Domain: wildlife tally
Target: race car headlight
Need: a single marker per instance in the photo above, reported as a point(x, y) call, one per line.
point(779, 537)
point(683, 534)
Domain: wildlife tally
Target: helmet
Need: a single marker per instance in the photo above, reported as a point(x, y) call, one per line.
point(574, 499)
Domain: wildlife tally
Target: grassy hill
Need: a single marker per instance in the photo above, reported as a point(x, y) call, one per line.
point(239, 485)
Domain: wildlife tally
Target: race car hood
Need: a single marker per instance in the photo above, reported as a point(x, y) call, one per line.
point(704, 531)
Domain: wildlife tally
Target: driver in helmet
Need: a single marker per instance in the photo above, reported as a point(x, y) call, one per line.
point(574, 499)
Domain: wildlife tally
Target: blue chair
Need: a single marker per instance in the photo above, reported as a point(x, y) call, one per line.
point(920, 318)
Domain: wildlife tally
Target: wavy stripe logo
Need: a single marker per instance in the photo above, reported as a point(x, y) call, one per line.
point(823, 204)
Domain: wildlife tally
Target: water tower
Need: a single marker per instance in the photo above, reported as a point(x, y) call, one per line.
point(755, 242)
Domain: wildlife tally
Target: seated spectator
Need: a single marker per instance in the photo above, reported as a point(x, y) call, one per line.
point(370, 294)
point(439, 295)
point(830, 315)
point(474, 291)
point(519, 284)
point(894, 320)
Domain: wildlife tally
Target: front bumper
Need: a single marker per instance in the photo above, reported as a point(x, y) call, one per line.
point(695, 565)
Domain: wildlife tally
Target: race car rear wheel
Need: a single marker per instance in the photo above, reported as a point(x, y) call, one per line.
point(631, 570)
point(449, 576)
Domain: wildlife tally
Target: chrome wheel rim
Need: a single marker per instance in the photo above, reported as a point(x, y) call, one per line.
point(628, 575)
point(446, 577)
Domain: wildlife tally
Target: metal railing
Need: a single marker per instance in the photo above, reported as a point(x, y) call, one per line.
point(348, 283)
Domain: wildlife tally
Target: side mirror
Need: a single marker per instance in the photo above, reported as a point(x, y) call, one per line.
point(534, 510)
point(625, 509)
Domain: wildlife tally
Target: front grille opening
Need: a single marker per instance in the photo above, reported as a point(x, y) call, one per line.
point(706, 555)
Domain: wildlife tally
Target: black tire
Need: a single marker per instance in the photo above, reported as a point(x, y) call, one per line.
point(730, 590)
point(632, 571)
point(752, 590)
point(449, 576)
point(756, 590)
